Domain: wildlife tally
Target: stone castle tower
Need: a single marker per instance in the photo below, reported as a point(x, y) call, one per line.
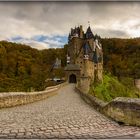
point(84, 58)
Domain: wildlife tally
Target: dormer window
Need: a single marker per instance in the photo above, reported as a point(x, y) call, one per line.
point(86, 56)
point(68, 59)
point(95, 66)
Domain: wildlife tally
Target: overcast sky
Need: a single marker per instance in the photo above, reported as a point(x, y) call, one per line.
point(47, 24)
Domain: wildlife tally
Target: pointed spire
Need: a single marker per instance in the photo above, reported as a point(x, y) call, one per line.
point(69, 37)
point(89, 29)
point(89, 33)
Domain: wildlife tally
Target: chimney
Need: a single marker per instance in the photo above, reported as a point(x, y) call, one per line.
point(81, 31)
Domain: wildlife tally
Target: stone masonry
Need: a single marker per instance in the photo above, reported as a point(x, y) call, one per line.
point(64, 115)
point(84, 51)
point(10, 99)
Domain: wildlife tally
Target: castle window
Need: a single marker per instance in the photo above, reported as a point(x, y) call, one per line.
point(81, 62)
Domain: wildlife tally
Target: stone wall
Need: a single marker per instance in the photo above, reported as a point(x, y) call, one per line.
point(91, 100)
point(137, 83)
point(89, 65)
point(11, 99)
point(84, 84)
point(124, 110)
point(121, 109)
point(89, 72)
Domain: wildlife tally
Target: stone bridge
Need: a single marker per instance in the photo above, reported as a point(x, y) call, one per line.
point(64, 115)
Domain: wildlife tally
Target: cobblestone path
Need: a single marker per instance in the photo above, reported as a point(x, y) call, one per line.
point(64, 115)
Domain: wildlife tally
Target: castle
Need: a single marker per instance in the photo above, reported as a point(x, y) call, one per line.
point(84, 58)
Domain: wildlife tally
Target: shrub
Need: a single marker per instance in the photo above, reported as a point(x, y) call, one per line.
point(111, 88)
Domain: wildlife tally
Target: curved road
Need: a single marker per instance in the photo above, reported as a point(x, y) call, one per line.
point(64, 115)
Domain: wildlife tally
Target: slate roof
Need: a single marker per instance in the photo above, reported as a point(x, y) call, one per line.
point(87, 48)
point(72, 67)
point(89, 33)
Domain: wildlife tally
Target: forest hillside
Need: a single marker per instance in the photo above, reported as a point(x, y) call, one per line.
point(23, 68)
point(122, 57)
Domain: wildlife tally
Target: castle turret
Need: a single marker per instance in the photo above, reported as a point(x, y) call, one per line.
point(89, 33)
point(98, 60)
point(81, 32)
point(76, 32)
point(86, 51)
point(69, 37)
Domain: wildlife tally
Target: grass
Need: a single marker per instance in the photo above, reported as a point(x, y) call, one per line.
point(111, 88)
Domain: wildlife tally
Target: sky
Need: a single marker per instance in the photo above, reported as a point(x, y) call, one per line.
point(45, 25)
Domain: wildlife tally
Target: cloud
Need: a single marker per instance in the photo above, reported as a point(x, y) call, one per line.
point(36, 44)
point(30, 42)
point(112, 33)
point(47, 24)
point(41, 42)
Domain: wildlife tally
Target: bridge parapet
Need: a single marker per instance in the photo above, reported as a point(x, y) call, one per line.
point(122, 109)
point(10, 99)
point(91, 100)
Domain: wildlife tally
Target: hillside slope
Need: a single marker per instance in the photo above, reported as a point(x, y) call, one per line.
point(122, 57)
point(111, 88)
point(23, 68)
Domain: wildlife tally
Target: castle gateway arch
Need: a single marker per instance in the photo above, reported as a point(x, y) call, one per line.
point(72, 73)
point(72, 78)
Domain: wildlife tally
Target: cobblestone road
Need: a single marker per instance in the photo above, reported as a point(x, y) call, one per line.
point(64, 115)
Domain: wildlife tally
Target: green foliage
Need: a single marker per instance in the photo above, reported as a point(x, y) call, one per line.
point(111, 88)
point(23, 68)
point(122, 57)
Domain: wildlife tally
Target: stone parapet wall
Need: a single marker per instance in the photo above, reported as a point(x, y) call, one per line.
point(121, 109)
point(124, 110)
point(84, 84)
point(137, 83)
point(10, 99)
point(91, 100)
